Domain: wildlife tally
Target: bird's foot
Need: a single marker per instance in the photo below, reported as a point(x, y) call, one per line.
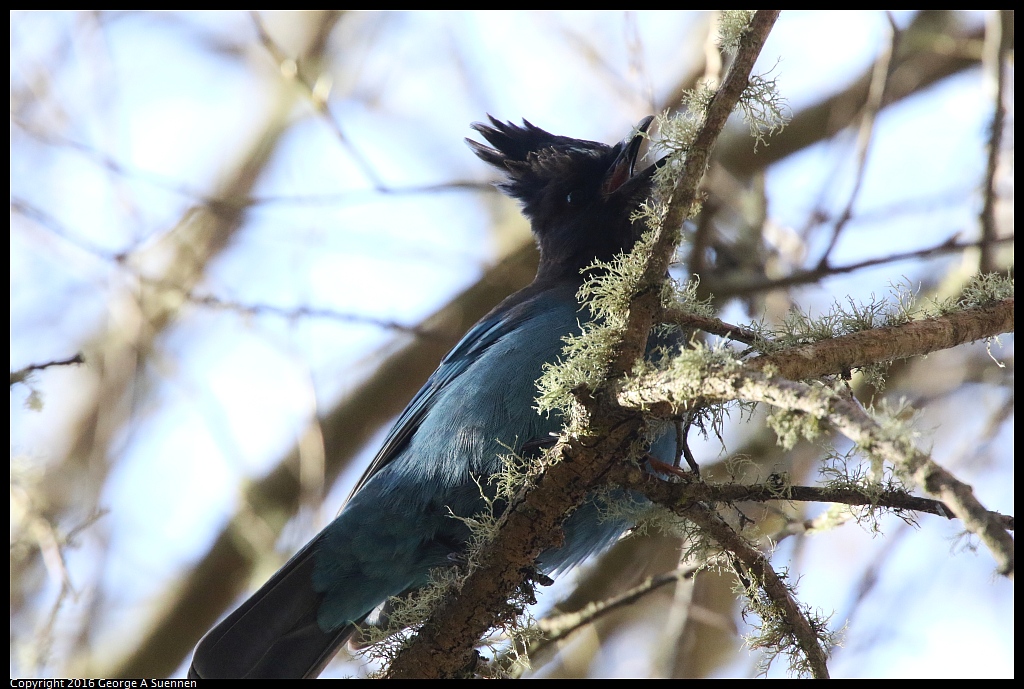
point(659, 467)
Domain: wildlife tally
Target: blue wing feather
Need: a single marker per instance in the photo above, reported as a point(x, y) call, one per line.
point(475, 342)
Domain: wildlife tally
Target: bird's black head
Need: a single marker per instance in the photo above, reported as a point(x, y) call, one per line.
point(578, 194)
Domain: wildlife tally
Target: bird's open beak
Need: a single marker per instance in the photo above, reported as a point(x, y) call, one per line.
point(620, 174)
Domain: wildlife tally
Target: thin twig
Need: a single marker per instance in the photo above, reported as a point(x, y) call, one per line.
point(168, 184)
point(876, 94)
point(354, 196)
point(998, 44)
point(935, 46)
point(804, 631)
point(715, 326)
point(817, 274)
point(317, 90)
point(559, 627)
point(22, 374)
point(304, 312)
point(681, 493)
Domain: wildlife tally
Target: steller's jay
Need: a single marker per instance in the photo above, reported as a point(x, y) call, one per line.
point(397, 525)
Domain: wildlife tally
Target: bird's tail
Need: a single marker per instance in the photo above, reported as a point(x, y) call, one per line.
point(274, 634)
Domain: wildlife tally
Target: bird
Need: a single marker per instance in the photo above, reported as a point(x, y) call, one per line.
point(580, 197)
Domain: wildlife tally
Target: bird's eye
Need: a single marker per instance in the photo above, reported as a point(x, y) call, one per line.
point(568, 198)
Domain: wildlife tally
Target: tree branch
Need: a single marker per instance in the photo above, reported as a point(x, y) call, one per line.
point(666, 394)
point(818, 273)
point(917, 338)
point(715, 326)
point(796, 627)
point(22, 374)
point(561, 626)
point(646, 305)
point(928, 52)
point(998, 45)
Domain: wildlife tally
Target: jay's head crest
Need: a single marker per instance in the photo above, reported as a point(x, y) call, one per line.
point(578, 194)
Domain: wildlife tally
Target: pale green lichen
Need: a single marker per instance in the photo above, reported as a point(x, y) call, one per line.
point(773, 634)
point(792, 425)
point(852, 471)
point(732, 24)
point(981, 290)
point(763, 108)
point(606, 293)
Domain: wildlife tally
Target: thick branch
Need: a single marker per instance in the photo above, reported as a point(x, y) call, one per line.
point(916, 338)
point(645, 307)
point(190, 249)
